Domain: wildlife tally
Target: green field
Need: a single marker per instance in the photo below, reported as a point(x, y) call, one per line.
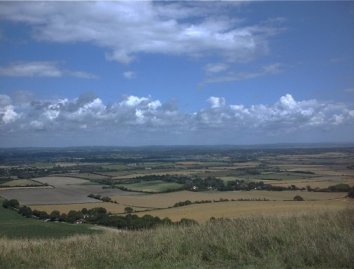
point(21, 183)
point(13, 225)
point(152, 186)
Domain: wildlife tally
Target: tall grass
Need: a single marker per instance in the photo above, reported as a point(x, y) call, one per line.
point(325, 240)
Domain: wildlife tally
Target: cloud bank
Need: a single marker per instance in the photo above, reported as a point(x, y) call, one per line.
point(140, 120)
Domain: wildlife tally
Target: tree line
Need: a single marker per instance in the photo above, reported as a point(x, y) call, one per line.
point(98, 216)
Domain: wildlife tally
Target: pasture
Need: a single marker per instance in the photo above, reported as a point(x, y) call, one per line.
point(12, 225)
point(20, 183)
point(152, 186)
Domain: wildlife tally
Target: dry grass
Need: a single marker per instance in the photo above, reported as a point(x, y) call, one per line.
point(310, 241)
point(323, 182)
point(203, 212)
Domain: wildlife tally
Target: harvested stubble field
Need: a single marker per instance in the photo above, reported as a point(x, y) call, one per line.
point(237, 209)
point(163, 200)
point(324, 182)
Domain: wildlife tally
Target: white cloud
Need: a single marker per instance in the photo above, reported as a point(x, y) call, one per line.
point(31, 69)
point(216, 102)
point(215, 67)
point(7, 111)
point(133, 101)
point(141, 118)
point(127, 28)
point(40, 69)
point(129, 74)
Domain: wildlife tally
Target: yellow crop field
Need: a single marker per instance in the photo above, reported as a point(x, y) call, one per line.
point(163, 200)
point(323, 182)
point(203, 212)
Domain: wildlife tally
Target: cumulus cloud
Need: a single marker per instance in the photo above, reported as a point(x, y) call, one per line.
point(137, 119)
point(216, 102)
point(40, 69)
point(127, 28)
point(7, 111)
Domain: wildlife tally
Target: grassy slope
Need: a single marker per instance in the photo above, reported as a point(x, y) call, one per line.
point(312, 241)
point(12, 225)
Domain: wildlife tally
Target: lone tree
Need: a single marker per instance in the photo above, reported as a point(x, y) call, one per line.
point(128, 210)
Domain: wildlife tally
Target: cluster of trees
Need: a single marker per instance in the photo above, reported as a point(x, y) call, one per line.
point(23, 172)
point(196, 183)
point(98, 215)
point(334, 188)
point(101, 198)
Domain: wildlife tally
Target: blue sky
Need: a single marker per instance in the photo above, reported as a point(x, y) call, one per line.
point(137, 73)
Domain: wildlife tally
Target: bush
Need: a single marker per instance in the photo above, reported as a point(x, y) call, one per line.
point(74, 216)
point(55, 215)
point(339, 188)
point(351, 193)
point(128, 210)
point(13, 203)
point(25, 211)
point(106, 199)
point(40, 214)
point(298, 198)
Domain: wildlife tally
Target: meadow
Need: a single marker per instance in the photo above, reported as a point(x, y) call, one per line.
point(316, 240)
point(13, 225)
point(152, 186)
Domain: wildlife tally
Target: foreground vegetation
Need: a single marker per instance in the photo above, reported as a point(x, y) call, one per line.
point(309, 241)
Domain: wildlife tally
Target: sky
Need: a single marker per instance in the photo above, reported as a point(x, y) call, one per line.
point(131, 73)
